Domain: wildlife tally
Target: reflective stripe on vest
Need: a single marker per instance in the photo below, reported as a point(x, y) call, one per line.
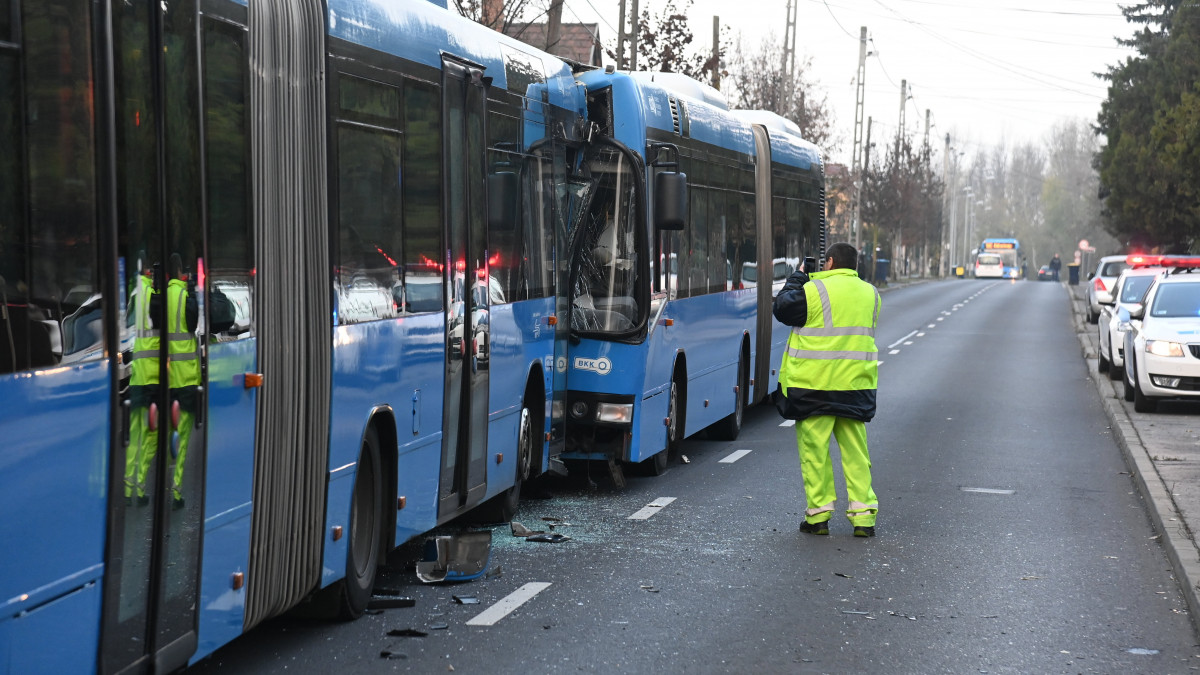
point(183, 351)
point(835, 349)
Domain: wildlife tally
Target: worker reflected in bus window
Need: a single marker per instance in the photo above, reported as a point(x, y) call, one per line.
point(183, 367)
point(143, 384)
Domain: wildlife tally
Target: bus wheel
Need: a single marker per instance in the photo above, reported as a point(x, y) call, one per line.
point(675, 420)
point(729, 428)
point(503, 507)
point(362, 556)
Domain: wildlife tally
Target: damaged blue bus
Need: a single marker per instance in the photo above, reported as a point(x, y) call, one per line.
point(258, 262)
point(692, 217)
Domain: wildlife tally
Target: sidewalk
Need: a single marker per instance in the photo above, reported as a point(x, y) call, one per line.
point(1162, 451)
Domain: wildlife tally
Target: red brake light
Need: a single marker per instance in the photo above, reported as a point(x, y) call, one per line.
point(1098, 284)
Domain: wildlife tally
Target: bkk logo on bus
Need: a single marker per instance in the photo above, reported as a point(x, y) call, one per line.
point(601, 366)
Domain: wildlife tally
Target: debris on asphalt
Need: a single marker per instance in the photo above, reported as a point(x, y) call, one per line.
point(388, 654)
point(466, 599)
point(848, 611)
point(463, 556)
point(519, 530)
point(844, 576)
point(905, 616)
point(554, 538)
point(378, 603)
point(496, 571)
point(684, 459)
point(438, 626)
point(406, 632)
point(649, 589)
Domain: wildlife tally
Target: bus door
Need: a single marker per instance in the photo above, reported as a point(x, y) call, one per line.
point(152, 581)
point(466, 276)
point(765, 274)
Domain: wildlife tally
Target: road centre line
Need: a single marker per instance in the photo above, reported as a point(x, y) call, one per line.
point(508, 603)
point(988, 491)
point(733, 456)
point(652, 508)
point(902, 339)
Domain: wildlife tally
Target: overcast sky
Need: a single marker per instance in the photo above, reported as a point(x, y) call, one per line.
point(985, 69)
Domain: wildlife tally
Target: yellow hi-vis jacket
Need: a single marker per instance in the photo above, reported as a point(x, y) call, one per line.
point(831, 365)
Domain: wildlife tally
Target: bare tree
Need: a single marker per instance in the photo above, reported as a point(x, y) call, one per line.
point(759, 83)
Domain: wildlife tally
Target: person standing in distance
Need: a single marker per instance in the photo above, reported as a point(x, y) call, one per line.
point(827, 383)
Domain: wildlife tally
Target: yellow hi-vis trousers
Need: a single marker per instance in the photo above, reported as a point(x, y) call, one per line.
point(812, 435)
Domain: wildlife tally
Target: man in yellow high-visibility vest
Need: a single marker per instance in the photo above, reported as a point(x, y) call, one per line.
point(827, 383)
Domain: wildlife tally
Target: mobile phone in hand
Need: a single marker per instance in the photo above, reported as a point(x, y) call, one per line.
point(810, 265)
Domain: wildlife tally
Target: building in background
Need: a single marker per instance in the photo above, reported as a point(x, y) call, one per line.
point(579, 42)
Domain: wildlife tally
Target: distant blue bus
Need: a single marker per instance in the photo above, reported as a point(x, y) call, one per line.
point(672, 284)
point(1010, 254)
point(258, 263)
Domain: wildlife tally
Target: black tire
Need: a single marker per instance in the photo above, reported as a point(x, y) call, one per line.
point(1125, 380)
point(1115, 372)
point(656, 464)
point(1141, 402)
point(363, 548)
point(728, 428)
point(503, 507)
point(1091, 316)
point(675, 417)
point(1104, 365)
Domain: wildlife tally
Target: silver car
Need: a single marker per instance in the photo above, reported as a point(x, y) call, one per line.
point(1099, 290)
point(1128, 293)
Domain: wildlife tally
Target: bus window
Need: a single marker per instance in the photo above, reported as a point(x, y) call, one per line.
point(604, 296)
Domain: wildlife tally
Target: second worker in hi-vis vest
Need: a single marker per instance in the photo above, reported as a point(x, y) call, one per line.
point(827, 384)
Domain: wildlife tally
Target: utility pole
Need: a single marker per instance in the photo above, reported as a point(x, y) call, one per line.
point(633, 36)
point(866, 167)
point(856, 171)
point(943, 249)
point(621, 38)
point(789, 49)
point(716, 57)
point(900, 130)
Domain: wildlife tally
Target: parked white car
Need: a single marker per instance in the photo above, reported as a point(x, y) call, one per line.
point(1162, 347)
point(1100, 286)
point(1128, 293)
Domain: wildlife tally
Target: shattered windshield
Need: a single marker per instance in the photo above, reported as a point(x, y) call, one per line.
point(604, 296)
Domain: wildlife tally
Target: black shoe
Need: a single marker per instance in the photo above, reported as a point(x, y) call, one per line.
point(143, 500)
point(864, 531)
point(815, 528)
point(177, 503)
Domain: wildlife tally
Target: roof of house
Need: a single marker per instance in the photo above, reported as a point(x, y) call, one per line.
point(578, 42)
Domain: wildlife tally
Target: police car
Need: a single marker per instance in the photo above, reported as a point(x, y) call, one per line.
point(1128, 291)
point(1162, 345)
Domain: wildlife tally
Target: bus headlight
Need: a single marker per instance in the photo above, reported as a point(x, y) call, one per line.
point(617, 413)
point(1164, 348)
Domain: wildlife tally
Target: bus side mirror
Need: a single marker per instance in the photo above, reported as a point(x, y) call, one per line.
point(502, 194)
point(670, 200)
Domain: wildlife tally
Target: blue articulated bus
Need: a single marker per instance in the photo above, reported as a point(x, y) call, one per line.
point(1009, 250)
point(258, 262)
point(692, 218)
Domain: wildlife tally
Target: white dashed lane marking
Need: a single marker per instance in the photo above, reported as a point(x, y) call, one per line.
point(788, 423)
point(737, 454)
point(651, 508)
point(508, 603)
